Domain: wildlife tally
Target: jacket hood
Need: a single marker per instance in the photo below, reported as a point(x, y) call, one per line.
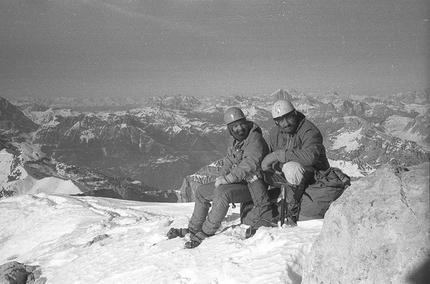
point(301, 118)
point(251, 126)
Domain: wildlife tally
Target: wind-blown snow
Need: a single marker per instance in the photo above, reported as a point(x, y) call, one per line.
point(6, 160)
point(349, 140)
point(347, 167)
point(87, 135)
point(30, 152)
point(51, 184)
point(101, 240)
point(167, 159)
point(420, 108)
point(396, 125)
point(28, 184)
point(25, 183)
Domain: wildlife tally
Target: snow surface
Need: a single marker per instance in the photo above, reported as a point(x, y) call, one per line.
point(347, 167)
point(396, 125)
point(6, 160)
point(347, 140)
point(87, 135)
point(101, 240)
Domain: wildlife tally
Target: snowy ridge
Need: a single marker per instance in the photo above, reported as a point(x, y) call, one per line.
point(349, 168)
point(97, 240)
point(14, 178)
point(24, 169)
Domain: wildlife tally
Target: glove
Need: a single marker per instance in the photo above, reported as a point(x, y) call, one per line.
point(224, 180)
point(272, 158)
point(220, 180)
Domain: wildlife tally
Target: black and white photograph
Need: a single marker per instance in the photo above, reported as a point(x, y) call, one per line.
point(214, 141)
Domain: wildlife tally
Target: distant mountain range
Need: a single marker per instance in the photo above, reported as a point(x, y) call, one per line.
point(161, 144)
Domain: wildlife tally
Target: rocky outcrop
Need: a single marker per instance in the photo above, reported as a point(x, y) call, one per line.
point(18, 273)
point(376, 232)
point(13, 121)
point(420, 127)
point(204, 175)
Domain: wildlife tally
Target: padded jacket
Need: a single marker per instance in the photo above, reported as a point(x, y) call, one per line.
point(305, 146)
point(244, 158)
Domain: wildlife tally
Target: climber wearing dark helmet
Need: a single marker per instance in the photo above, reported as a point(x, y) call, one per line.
point(239, 181)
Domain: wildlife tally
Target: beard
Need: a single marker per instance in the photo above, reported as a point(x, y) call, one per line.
point(290, 128)
point(241, 134)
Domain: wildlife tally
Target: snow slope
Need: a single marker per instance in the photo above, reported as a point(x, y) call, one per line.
point(100, 240)
point(28, 184)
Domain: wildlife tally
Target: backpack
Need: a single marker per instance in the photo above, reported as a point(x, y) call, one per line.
point(329, 186)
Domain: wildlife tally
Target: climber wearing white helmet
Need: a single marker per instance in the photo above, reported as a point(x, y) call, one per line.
point(240, 181)
point(297, 150)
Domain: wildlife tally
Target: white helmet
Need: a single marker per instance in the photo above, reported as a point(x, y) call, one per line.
point(281, 108)
point(233, 114)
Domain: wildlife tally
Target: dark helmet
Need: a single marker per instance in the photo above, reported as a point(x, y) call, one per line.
point(233, 114)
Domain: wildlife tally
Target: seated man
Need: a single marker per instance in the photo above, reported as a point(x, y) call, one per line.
point(240, 181)
point(297, 150)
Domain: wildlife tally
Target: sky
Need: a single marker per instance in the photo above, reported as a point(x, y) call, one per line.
point(132, 48)
point(99, 240)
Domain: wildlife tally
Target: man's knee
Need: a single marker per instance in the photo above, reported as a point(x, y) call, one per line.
point(294, 172)
point(221, 193)
point(203, 192)
point(198, 195)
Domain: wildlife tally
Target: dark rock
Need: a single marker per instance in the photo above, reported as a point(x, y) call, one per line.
point(13, 121)
point(18, 273)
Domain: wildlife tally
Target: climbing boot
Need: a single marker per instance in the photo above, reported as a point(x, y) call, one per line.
point(173, 232)
point(195, 240)
point(291, 221)
point(250, 232)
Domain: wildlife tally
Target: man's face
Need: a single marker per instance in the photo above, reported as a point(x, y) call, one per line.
point(288, 123)
point(240, 128)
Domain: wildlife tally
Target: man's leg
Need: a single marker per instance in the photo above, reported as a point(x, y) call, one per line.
point(295, 175)
point(204, 195)
point(262, 212)
point(222, 197)
point(277, 180)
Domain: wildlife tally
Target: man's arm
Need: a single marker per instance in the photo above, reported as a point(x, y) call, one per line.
point(307, 154)
point(311, 149)
point(253, 154)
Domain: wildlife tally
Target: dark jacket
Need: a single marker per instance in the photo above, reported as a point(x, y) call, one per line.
point(305, 146)
point(244, 157)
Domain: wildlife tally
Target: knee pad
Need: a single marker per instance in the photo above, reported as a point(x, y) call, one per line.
point(294, 172)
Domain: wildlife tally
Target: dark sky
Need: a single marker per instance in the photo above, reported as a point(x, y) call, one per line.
point(136, 48)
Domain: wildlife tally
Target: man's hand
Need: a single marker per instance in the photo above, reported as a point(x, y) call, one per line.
point(224, 180)
point(271, 159)
point(220, 180)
